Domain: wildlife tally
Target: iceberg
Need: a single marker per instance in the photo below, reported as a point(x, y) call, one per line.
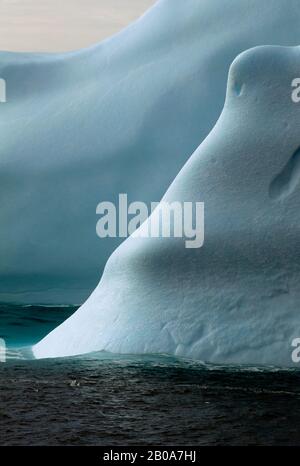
point(236, 300)
point(122, 116)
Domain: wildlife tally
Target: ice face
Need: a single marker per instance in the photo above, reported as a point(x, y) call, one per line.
point(236, 299)
point(120, 117)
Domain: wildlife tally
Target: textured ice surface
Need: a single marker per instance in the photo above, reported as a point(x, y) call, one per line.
point(236, 299)
point(123, 116)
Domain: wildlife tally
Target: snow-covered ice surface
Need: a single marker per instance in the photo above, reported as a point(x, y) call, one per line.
point(236, 299)
point(124, 116)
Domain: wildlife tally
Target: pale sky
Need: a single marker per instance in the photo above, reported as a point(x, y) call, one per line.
point(61, 25)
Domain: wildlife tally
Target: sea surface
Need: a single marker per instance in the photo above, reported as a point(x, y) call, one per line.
point(103, 399)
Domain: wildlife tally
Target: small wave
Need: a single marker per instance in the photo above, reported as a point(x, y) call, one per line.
point(17, 354)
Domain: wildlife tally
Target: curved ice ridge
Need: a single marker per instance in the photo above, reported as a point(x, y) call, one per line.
point(120, 117)
point(236, 299)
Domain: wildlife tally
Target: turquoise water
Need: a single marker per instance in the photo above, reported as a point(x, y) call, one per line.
point(24, 325)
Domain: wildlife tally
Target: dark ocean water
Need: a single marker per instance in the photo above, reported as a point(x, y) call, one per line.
point(100, 399)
